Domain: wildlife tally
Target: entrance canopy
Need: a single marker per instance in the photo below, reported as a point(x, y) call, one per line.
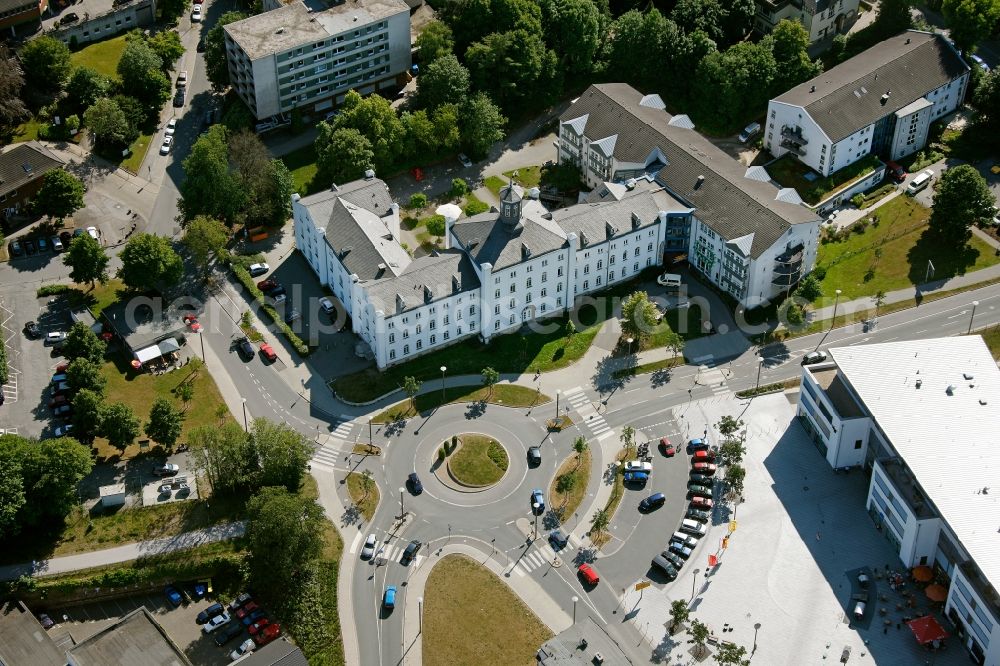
point(927, 630)
point(168, 346)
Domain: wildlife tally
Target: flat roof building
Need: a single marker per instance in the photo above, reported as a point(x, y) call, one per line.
point(920, 417)
point(146, 329)
point(134, 640)
point(23, 641)
point(307, 54)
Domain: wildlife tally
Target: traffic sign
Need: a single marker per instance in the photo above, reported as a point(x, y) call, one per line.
point(642, 585)
point(732, 526)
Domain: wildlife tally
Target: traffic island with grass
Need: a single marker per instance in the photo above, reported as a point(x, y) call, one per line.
point(570, 483)
point(460, 599)
point(507, 395)
point(479, 461)
point(364, 493)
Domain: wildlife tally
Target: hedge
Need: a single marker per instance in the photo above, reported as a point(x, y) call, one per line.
point(54, 290)
point(244, 277)
point(3, 363)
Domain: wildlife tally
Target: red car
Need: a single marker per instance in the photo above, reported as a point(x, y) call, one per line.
point(250, 607)
point(418, 175)
point(706, 468)
point(258, 625)
point(62, 367)
point(701, 503)
point(267, 285)
point(58, 400)
point(666, 448)
point(269, 633)
point(703, 456)
point(588, 574)
point(268, 352)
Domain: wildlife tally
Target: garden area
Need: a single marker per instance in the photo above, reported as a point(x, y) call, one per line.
point(423, 228)
point(570, 483)
point(563, 178)
point(364, 493)
point(479, 461)
point(890, 252)
point(508, 395)
point(813, 187)
point(461, 597)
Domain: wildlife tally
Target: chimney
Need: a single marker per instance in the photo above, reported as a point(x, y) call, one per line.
point(400, 303)
point(428, 294)
point(885, 97)
point(381, 270)
point(369, 174)
point(699, 182)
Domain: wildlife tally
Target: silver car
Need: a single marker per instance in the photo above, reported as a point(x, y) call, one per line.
point(368, 550)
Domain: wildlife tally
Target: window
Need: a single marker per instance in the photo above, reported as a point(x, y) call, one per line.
point(528, 299)
point(513, 288)
point(433, 339)
point(636, 267)
point(559, 287)
point(559, 301)
point(512, 303)
point(496, 310)
point(472, 325)
point(598, 280)
point(586, 268)
point(418, 317)
point(446, 335)
point(433, 324)
point(420, 344)
point(406, 349)
point(600, 264)
point(419, 328)
point(544, 292)
point(496, 280)
point(446, 320)
point(586, 285)
point(512, 319)
point(857, 444)
point(611, 261)
point(543, 307)
point(545, 277)
point(392, 354)
point(459, 315)
point(472, 310)
point(637, 252)
point(528, 285)
point(496, 325)
point(559, 272)
point(497, 295)
point(530, 268)
point(406, 333)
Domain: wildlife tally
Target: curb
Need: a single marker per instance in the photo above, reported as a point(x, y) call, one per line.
point(362, 404)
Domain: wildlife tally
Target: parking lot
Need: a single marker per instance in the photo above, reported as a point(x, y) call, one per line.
point(80, 622)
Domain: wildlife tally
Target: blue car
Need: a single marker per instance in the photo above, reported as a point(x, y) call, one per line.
point(636, 477)
point(253, 617)
point(173, 596)
point(390, 597)
point(696, 445)
point(537, 502)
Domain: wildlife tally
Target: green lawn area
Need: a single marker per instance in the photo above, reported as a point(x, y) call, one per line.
point(903, 262)
point(508, 395)
point(302, 164)
point(686, 322)
point(366, 502)
point(101, 56)
point(568, 503)
point(28, 131)
point(563, 178)
point(139, 149)
point(479, 461)
point(992, 338)
point(792, 173)
point(460, 599)
point(617, 492)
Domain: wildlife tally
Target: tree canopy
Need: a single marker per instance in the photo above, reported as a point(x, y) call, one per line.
point(140, 71)
point(46, 62)
point(164, 425)
point(88, 409)
point(374, 118)
point(82, 342)
point(639, 316)
point(281, 452)
point(119, 424)
point(60, 195)
point(342, 155)
point(963, 198)
point(107, 123)
point(84, 374)
point(443, 81)
point(266, 183)
point(514, 66)
point(434, 42)
point(149, 263)
point(204, 237)
point(482, 125)
point(208, 187)
point(971, 21)
point(12, 108)
point(573, 29)
point(85, 87)
point(87, 260)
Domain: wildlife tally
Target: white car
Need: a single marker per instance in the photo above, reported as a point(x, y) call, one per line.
point(638, 466)
point(245, 648)
point(326, 304)
point(167, 142)
point(464, 159)
point(171, 127)
point(92, 232)
point(215, 623)
point(368, 550)
point(196, 14)
point(63, 430)
point(54, 338)
point(258, 269)
point(669, 280)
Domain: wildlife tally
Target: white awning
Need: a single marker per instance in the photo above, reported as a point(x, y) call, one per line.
point(169, 346)
point(148, 354)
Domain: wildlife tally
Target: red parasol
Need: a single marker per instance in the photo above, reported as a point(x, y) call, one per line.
point(927, 630)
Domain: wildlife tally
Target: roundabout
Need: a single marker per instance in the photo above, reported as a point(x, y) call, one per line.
point(476, 462)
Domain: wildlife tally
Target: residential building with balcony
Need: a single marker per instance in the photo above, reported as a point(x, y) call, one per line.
point(744, 234)
point(882, 102)
point(822, 19)
point(307, 54)
point(919, 417)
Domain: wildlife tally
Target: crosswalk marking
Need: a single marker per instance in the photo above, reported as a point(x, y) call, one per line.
point(590, 418)
point(392, 553)
point(325, 458)
point(542, 555)
point(344, 427)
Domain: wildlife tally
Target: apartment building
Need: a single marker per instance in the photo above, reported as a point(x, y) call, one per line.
point(744, 234)
point(882, 102)
point(822, 19)
point(22, 170)
point(307, 54)
point(920, 418)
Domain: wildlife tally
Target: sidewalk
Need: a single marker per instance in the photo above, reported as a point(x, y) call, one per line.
point(126, 553)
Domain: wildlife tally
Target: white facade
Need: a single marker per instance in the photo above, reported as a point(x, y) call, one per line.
point(313, 58)
point(821, 21)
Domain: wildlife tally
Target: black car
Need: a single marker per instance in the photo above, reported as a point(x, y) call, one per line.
point(69, 18)
point(66, 238)
point(411, 552)
point(32, 331)
point(201, 46)
point(291, 315)
point(276, 290)
point(414, 481)
point(179, 98)
point(78, 232)
point(228, 633)
point(534, 456)
point(15, 249)
point(665, 566)
point(209, 613)
point(29, 246)
point(654, 501)
point(699, 515)
point(245, 348)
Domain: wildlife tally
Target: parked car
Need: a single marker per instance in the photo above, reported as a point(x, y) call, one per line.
point(201, 46)
point(63, 430)
point(166, 469)
point(29, 246)
point(43, 244)
point(654, 501)
point(246, 647)
point(93, 233)
point(558, 539)
point(276, 291)
point(673, 559)
point(46, 621)
point(411, 552)
point(57, 244)
point(62, 367)
point(78, 232)
point(278, 296)
point(327, 305)
point(700, 479)
point(16, 250)
point(179, 98)
point(389, 599)
point(368, 550)
point(537, 502)
point(814, 357)
point(697, 489)
point(639, 478)
point(66, 238)
point(32, 330)
point(243, 599)
point(58, 378)
point(246, 349)
point(252, 616)
point(72, 17)
point(258, 269)
point(269, 633)
point(464, 159)
point(209, 613)
point(697, 445)
point(414, 482)
point(708, 469)
point(258, 625)
point(63, 411)
point(638, 466)
point(680, 550)
point(703, 456)
point(980, 62)
point(268, 352)
point(699, 515)
point(666, 448)
point(216, 622)
point(685, 539)
point(859, 610)
point(173, 596)
point(247, 609)
point(588, 574)
point(182, 80)
point(196, 13)
point(232, 630)
point(534, 456)
point(171, 127)
point(896, 173)
point(701, 502)
point(57, 400)
point(665, 566)
point(267, 285)
point(749, 132)
point(165, 146)
point(292, 315)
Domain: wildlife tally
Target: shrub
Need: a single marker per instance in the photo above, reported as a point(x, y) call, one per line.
point(54, 290)
point(858, 200)
point(459, 188)
point(244, 277)
point(819, 272)
point(497, 455)
point(3, 363)
point(436, 225)
point(475, 207)
point(418, 200)
point(441, 454)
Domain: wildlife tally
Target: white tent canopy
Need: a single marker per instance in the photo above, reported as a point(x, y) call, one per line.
point(449, 211)
point(148, 354)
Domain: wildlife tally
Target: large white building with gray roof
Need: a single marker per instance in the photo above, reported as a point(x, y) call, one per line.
point(306, 54)
point(748, 237)
point(920, 417)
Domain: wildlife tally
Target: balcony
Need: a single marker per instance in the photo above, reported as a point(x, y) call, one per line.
point(793, 147)
point(907, 487)
point(793, 135)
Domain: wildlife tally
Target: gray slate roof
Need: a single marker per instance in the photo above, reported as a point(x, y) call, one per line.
point(908, 71)
point(489, 240)
point(25, 163)
point(436, 273)
point(592, 219)
point(726, 201)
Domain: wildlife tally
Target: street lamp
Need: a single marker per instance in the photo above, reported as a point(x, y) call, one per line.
point(760, 364)
point(833, 322)
point(201, 334)
point(630, 341)
point(443, 369)
point(575, 599)
point(558, 393)
point(756, 628)
point(402, 514)
point(246, 426)
point(694, 579)
point(974, 304)
point(420, 615)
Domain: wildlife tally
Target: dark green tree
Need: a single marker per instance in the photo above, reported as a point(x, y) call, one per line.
point(136, 114)
point(149, 263)
point(46, 62)
point(84, 374)
point(13, 110)
point(88, 410)
point(810, 288)
point(725, 23)
point(733, 84)
point(119, 424)
point(281, 453)
point(444, 81)
point(963, 198)
point(164, 426)
point(892, 17)
point(434, 42)
point(216, 66)
point(473, 20)
point(573, 29)
point(447, 135)
point(60, 195)
point(265, 182)
point(987, 102)
point(107, 124)
point(204, 237)
point(85, 87)
point(420, 135)
point(167, 44)
point(515, 67)
point(789, 42)
point(50, 472)
point(635, 36)
point(639, 316)
point(490, 378)
point(375, 118)
point(87, 260)
point(12, 497)
point(971, 21)
point(342, 155)
point(208, 187)
point(482, 125)
point(224, 454)
point(140, 71)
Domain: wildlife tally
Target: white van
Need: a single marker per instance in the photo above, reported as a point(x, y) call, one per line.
point(920, 182)
point(693, 527)
point(669, 280)
point(749, 132)
point(685, 539)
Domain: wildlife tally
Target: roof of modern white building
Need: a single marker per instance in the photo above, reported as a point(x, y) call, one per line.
point(936, 400)
point(298, 23)
point(425, 280)
point(695, 170)
point(849, 96)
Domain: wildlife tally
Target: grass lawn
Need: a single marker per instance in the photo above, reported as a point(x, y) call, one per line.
point(98, 298)
point(992, 338)
point(101, 56)
point(509, 395)
point(568, 503)
point(904, 258)
point(684, 321)
point(139, 149)
point(139, 389)
point(460, 599)
point(302, 164)
point(792, 173)
point(28, 130)
point(646, 368)
point(563, 178)
point(366, 502)
point(479, 461)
